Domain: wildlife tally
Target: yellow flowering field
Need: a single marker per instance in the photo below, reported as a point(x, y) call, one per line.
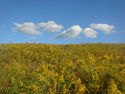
point(62, 69)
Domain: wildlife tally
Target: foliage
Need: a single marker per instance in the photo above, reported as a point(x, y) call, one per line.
point(62, 69)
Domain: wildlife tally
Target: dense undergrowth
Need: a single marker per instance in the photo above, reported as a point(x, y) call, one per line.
point(62, 69)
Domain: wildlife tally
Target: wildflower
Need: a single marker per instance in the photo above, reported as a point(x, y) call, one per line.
point(91, 58)
point(61, 78)
point(20, 83)
point(33, 87)
point(108, 57)
point(112, 88)
point(95, 77)
point(80, 88)
point(42, 79)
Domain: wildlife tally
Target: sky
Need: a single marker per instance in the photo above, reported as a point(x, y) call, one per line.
point(62, 21)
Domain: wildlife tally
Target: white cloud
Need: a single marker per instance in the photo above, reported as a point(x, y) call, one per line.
point(71, 32)
point(106, 28)
point(36, 29)
point(27, 28)
point(90, 33)
point(50, 26)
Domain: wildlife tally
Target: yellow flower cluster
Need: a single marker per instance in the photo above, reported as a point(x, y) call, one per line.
point(62, 69)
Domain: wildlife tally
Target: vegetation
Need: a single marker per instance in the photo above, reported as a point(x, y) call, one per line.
point(62, 69)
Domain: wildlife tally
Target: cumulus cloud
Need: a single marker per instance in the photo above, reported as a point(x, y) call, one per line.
point(90, 33)
point(50, 26)
point(71, 32)
point(36, 29)
point(106, 28)
point(27, 28)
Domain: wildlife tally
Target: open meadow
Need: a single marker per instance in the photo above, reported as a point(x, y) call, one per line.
point(62, 69)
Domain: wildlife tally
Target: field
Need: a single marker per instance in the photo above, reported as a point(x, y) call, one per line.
point(62, 69)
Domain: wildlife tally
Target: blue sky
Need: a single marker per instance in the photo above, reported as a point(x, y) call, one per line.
point(62, 21)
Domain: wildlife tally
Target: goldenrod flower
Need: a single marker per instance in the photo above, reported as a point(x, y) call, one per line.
point(33, 87)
